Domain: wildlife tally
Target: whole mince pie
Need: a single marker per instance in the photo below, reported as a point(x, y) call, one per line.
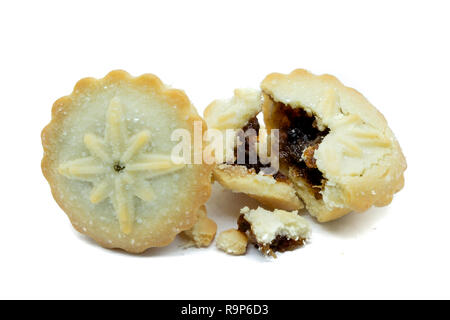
point(107, 158)
point(272, 232)
point(334, 146)
point(237, 170)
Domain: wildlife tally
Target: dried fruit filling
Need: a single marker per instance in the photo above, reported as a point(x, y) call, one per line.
point(250, 139)
point(299, 139)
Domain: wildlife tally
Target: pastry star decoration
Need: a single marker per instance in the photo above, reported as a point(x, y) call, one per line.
point(117, 167)
point(355, 137)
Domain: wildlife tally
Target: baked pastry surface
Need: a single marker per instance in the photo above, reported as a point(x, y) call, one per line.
point(107, 158)
point(334, 145)
point(239, 113)
point(266, 189)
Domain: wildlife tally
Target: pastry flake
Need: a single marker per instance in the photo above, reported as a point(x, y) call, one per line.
point(107, 158)
point(334, 145)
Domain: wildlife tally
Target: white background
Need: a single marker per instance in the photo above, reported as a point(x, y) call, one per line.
point(395, 52)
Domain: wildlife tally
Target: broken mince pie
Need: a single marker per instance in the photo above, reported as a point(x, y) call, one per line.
point(273, 231)
point(252, 177)
point(334, 145)
point(107, 158)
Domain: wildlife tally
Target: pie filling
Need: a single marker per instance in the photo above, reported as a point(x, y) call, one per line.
point(279, 244)
point(249, 140)
point(299, 139)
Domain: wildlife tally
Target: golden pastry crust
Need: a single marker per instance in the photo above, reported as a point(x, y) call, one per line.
point(360, 157)
point(204, 231)
point(264, 188)
point(107, 159)
point(235, 114)
point(233, 242)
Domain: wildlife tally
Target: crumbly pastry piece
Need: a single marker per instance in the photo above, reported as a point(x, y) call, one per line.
point(107, 158)
point(233, 242)
point(230, 115)
point(274, 231)
point(239, 113)
point(334, 145)
point(203, 232)
point(233, 113)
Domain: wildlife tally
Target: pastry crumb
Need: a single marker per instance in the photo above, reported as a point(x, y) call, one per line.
point(203, 232)
point(233, 242)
